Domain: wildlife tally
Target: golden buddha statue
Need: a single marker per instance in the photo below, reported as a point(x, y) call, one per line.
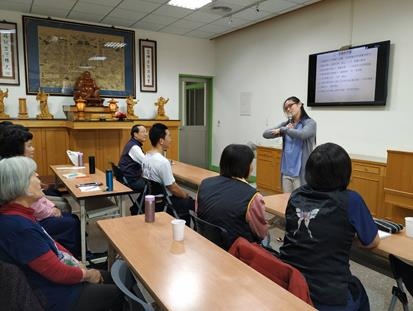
point(86, 88)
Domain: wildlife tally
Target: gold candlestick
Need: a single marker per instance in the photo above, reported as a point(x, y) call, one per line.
point(23, 109)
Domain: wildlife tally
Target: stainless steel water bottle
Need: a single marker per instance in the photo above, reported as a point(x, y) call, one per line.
point(80, 159)
point(109, 180)
point(149, 208)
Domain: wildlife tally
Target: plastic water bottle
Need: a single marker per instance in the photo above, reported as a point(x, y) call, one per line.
point(109, 180)
point(80, 159)
point(149, 208)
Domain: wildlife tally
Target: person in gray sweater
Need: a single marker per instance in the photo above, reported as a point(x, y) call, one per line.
point(299, 140)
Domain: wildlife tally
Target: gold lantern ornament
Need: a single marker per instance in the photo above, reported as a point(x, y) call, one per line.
point(113, 107)
point(80, 106)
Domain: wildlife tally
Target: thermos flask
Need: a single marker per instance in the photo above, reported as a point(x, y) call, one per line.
point(80, 159)
point(92, 165)
point(149, 208)
point(109, 180)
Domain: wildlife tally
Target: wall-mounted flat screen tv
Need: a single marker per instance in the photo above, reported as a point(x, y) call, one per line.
point(353, 76)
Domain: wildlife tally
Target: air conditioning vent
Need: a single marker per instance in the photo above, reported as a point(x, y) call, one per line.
point(219, 9)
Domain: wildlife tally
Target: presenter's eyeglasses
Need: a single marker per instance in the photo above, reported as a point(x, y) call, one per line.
point(289, 106)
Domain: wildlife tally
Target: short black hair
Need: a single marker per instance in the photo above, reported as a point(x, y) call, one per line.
point(157, 131)
point(328, 168)
point(12, 141)
point(135, 129)
point(236, 161)
point(3, 125)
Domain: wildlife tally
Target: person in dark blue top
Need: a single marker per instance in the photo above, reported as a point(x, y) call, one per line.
point(132, 156)
point(322, 219)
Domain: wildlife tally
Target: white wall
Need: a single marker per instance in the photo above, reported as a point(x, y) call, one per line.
point(176, 55)
point(270, 61)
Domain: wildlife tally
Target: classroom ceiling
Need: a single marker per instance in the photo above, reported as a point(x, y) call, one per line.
point(208, 22)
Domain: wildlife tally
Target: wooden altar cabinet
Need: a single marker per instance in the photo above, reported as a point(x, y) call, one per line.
point(104, 140)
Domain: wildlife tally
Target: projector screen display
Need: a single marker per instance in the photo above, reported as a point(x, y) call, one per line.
point(349, 77)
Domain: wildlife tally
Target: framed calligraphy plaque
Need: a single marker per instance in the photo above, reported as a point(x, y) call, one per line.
point(147, 61)
point(9, 61)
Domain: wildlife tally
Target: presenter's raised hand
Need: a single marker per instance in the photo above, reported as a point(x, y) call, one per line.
point(275, 132)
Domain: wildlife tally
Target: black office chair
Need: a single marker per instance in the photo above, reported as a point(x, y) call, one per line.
point(16, 292)
point(125, 281)
point(162, 201)
point(137, 204)
point(403, 273)
point(216, 234)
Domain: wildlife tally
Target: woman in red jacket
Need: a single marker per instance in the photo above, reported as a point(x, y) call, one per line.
point(51, 270)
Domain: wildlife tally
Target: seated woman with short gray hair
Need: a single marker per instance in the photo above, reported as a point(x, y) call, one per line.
point(51, 270)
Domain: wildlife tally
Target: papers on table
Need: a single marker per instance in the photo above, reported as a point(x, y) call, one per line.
point(70, 167)
point(89, 188)
point(383, 234)
point(74, 175)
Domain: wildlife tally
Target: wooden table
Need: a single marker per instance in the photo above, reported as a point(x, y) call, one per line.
point(276, 204)
point(190, 174)
point(81, 197)
point(194, 274)
point(397, 244)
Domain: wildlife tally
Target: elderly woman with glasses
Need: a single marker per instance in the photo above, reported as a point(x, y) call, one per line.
point(52, 272)
point(299, 139)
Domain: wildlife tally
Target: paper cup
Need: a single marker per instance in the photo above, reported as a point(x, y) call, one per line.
point(409, 226)
point(178, 229)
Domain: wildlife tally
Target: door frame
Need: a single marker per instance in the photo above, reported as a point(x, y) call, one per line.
point(209, 107)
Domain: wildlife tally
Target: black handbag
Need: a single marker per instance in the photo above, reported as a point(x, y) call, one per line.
point(388, 226)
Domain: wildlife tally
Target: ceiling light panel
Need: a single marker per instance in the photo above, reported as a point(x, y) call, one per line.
point(189, 4)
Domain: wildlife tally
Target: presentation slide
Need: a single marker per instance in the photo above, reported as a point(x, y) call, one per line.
point(346, 76)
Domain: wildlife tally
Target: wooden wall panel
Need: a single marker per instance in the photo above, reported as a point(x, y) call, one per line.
point(398, 189)
point(85, 141)
point(108, 148)
point(104, 140)
point(39, 150)
point(268, 169)
point(56, 141)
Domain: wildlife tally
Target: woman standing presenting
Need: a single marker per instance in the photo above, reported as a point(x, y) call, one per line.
point(299, 139)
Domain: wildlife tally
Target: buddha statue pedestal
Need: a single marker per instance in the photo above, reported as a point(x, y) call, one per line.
point(89, 113)
point(94, 102)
